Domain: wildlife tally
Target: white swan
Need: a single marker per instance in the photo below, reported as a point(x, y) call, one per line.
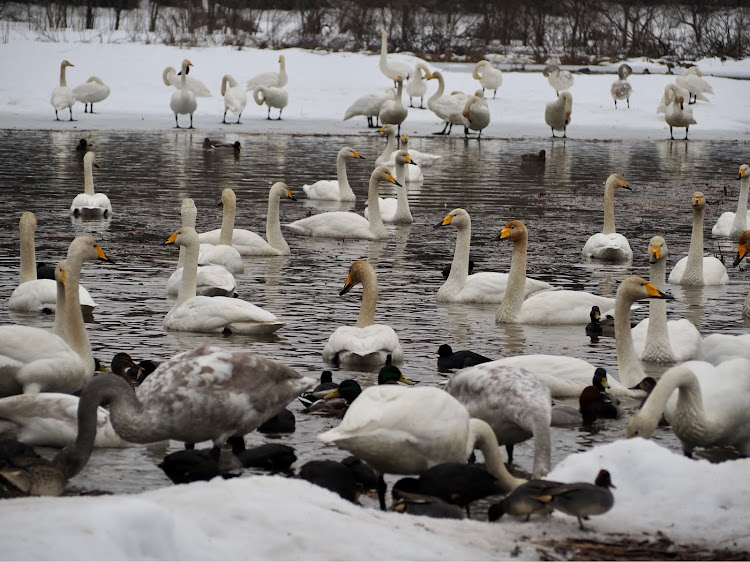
point(171, 78)
point(425, 159)
point(671, 92)
point(212, 280)
point(401, 430)
point(489, 77)
point(568, 376)
point(416, 87)
point(447, 108)
point(369, 105)
point(91, 91)
point(711, 407)
point(731, 225)
point(476, 114)
point(272, 96)
point(483, 287)
point(543, 307)
point(692, 80)
point(608, 245)
point(270, 79)
point(235, 97)
point(654, 338)
point(343, 224)
point(247, 242)
point(621, 88)
point(559, 79)
point(393, 112)
point(695, 270)
point(391, 68)
point(514, 402)
point(192, 313)
point(89, 203)
point(223, 253)
point(365, 344)
point(677, 115)
point(63, 96)
point(388, 158)
point(35, 360)
point(32, 294)
point(183, 100)
point(397, 210)
point(338, 189)
point(718, 348)
point(557, 113)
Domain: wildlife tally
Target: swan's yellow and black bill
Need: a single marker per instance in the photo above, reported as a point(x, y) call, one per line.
point(697, 199)
point(357, 155)
point(743, 172)
point(172, 239)
point(347, 286)
point(101, 255)
point(742, 248)
point(655, 255)
point(504, 233)
point(289, 194)
point(445, 222)
point(62, 276)
point(393, 180)
point(655, 293)
point(625, 184)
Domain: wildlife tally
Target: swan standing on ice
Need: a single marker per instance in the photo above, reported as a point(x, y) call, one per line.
point(365, 344)
point(235, 97)
point(557, 113)
point(183, 99)
point(369, 105)
point(489, 77)
point(338, 189)
point(677, 115)
point(695, 270)
point(392, 69)
point(559, 79)
point(621, 88)
point(447, 108)
point(608, 245)
point(272, 96)
point(170, 77)
point(270, 79)
point(393, 112)
point(89, 203)
point(62, 96)
point(476, 114)
point(416, 87)
point(91, 91)
point(692, 80)
point(671, 91)
point(731, 225)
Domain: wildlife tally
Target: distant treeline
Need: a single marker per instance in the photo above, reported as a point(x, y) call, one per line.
point(577, 31)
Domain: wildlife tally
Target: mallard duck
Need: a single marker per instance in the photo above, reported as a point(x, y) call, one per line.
point(24, 473)
point(595, 403)
point(528, 499)
point(449, 359)
point(582, 499)
point(425, 505)
point(598, 327)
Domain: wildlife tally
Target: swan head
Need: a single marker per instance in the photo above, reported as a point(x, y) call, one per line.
point(402, 158)
point(641, 426)
point(228, 198)
point(281, 58)
point(616, 180)
point(186, 236)
point(699, 200)
point(387, 130)
point(349, 152)
point(636, 288)
point(744, 172)
point(457, 217)
point(550, 69)
point(514, 231)
point(282, 191)
point(657, 249)
point(28, 221)
point(90, 159)
point(381, 173)
point(623, 71)
point(88, 249)
point(65, 64)
point(186, 64)
point(742, 246)
point(358, 271)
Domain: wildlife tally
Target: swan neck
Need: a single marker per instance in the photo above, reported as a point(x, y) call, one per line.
point(510, 307)
point(609, 209)
point(189, 275)
point(694, 263)
point(375, 219)
point(389, 145)
point(740, 218)
point(227, 224)
point(369, 300)
point(62, 76)
point(402, 195)
point(88, 177)
point(460, 265)
point(188, 220)
point(74, 328)
point(273, 225)
point(689, 400)
point(483, 438)
point(341, 175)
point(441, 88)
point(628, 362)
point(28, 255)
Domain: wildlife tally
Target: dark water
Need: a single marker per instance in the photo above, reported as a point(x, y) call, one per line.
point(146, 176)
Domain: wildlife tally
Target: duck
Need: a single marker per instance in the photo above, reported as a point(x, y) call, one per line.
point(677, 115)
point(609, 245)
point(122, 365)
point(283, 422)
point(24, 473)
point(191, 313)
point(331, 475)
point(534, 158)
point(325, 387)
point(482, 287)
point(171, 77)
point(89, 203)
point(223, 252)
point(412, 173)
point(247, 242)
point(270, 79)
point(338, 189)
point(528, 499)
point(212, 280)
point(447, 107)
point(191, 465)
point(621, 88)
point(582, 499)
point(396, 210)
point(692, 80)
point(84, 145)
point(446, 271)
point(274, 457)
point(391, 68)
point(366, 343)
point(93, 90)
point(557, 113)
point(559, 79)
point(62, 96)
point(183, 100)
point(346, 225)
point(542, 307)
point(598, 327)
point(489, 77)
point(272, 96)
point(695, 270)
point(655, 339)
point(393, 112)
point(449, 359)
point(416, 87)
point(594, 402)
point(711, 407)
point(235, 97)
point(34, 294)
point(514, 403)
point(426, 506)
point(568, 376)
point(369, 105)
point(35, 360)
point(400, 430)
point(732, 225)
point(236, 146)
point(476, 114)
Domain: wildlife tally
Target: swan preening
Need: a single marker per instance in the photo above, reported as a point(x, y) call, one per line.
point(183, 100)
point(338, 189)
point(559, 79)
point(89, 203)
point(608, 245)
point(731, 225)
point(170, 77)
point(365, 344)
point(235, 97)
point(675, 112)
point(369, 105)
point(91, 91)
point(62, 95)
point(416, 87)
point(557, 113)
point(391, 68)
point(270, 79)
point(476, 114)
point(489, 77)
point(272, 96)
point(447, 107)
point(692, 80)
point(621, 88)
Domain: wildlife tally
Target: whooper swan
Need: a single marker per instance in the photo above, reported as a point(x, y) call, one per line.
point(559, 79)
point(183, 100)
point(272, 96)
point(91, 91)
point(489, 77)
point(235, 97)
point(731, 225)
point(338, 189)
point(62, 96)
point(557, 113)
point(391, 68)
point(89, 203)
point(621, 88)
point(608, 245)
point(270, 79)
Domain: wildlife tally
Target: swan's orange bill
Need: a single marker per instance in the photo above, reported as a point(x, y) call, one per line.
point(172, 239)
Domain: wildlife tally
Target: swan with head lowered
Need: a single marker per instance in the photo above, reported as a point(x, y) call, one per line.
point(397, 210)
point(695, 270)
point(400, 430)
point(447, 107)
point(192, 313)
point(247, 242)
point(270, 79)
point(656, 339)
point(416, 87)
point(476, 114)
point(91, 91)
point(32, 294)
point(365, 344)
point(338, 189)
point(621, 88)
point(483, 287)
point(608, 245)
point(489, 77)
point(391, 68)
point(235, 97)
point(369, 105)
point(557, 113)
point(89, 203)
point(559, 79)
point(344, 224)
point(272, 96)
point(35, 360)
point(62, 96)
point(731, 225)
point(183, 100)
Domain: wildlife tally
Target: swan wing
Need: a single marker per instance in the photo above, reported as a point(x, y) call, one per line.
point(213, 280)
point(376, 339)
point(684, 338)
point(335, 224)
point(388, 206)
point(610, 247)
point(235, 99)
point(721, 347)
point(246, 242)
point(223, 255)
point(91, 92)
point(40, 294)
point(486, 287)
point(215, 314)
point(562, 307)
point(62, 97)
point(324, 190)
point(267, 79)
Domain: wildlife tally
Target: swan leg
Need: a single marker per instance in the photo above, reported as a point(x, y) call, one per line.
point(628, 103)
point(615, 104)
point(421, 103)
point(268, 116)
point(56, 117)
point(411, 103)
point(71, 113)
point(509, 450)
point(494, 95)
point(381, 491)
point(466, 132)
point(224, 119)
point(565, 132)
point(553, 132)
point(279, 117)
point(670, 133)
point(191, 121)
point(443, 131)
point(687, 128)
point(238, 118)
point(176, 122)
point(369, 122)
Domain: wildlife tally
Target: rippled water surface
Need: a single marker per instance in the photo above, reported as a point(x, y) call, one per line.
point(146, 176)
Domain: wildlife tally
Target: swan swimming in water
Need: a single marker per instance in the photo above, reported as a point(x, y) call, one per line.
point(608, 245)
point(338, 189)
point(732, 225)
point(62, 95)
point(89, 203)
point(397, 210)
point(91, 91)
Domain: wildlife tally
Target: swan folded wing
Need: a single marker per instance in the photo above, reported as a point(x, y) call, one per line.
point(376, 338)
point(723, 226)
point(608, 246)
point(214, 314)
point(91, 92)
point(41, 294)
point(334, 224)
point(193, 84)
point(98, 202)
point(326, 190)
point(684, 338)
point(223, 255)
point(717, 348)
point(562, 307)
point(714, 272)
point(211, 278)
point(388, 207)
